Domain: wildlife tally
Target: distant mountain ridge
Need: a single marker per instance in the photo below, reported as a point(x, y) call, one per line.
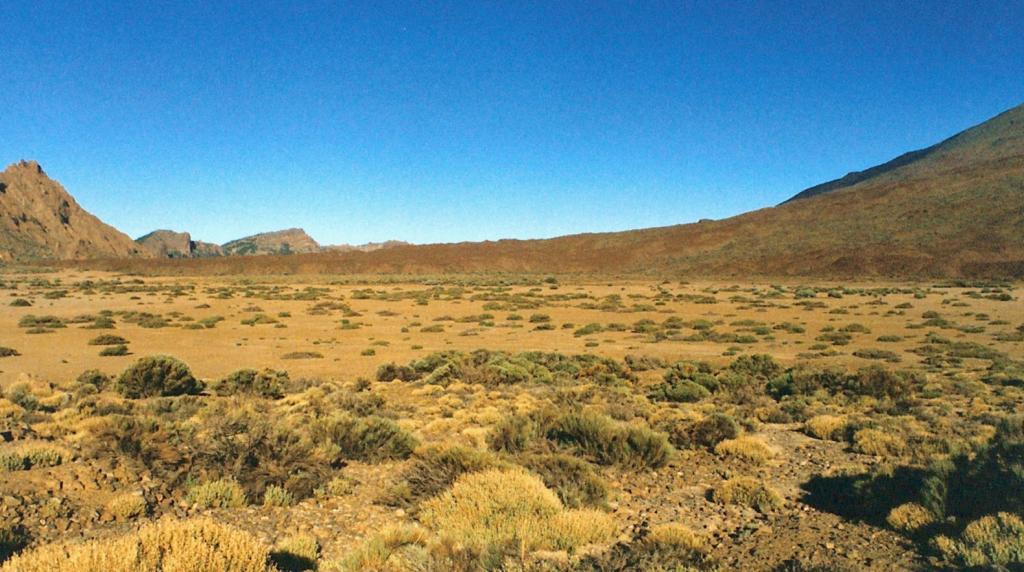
point(40, 219)
point(953, 209)
point(171, 244)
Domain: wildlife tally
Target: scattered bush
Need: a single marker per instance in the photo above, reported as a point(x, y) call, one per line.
point(275, 495)
point(8, 352)
point(371, 439)
point(574, 480)
point(267, 383)
point(127, 506)
point(157, 376)
point(828, 427)
point(747, 492)
point(610, 442)
point(435, 469)
point(296, 553)
point(107, 340)
point(197, 545)
point(990, 542)
point(119, 350)
point(495, 507)
point(747, 448)
point(910, 517)
point(223, 493)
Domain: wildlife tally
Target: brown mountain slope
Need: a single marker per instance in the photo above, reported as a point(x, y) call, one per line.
point(39, 219)
point(172, 244)
point(958, 211)
point(288, 241)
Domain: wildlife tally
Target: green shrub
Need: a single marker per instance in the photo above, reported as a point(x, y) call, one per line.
point(224, 493)
point(93, 377)
point(275, 495)
point(8, 352)
point(610, 442)
point(574, 480)
point(119, 350)
point(157, 376)
point(435, 469)
point(107, 340)
point(267, 383)
point(370, 439)
point(706, 433)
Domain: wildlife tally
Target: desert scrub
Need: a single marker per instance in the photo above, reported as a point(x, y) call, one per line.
point(879, 443)
point(610, 442)
point(223, 493)
point(376, 552)
point(371, 439)
point(495, 507)
point(196, 545)
point(747, 492)
point(747, 448)
point(25, 457)
point(296, 552)
point(157, 376)
point(434, 469)
point(910, 517)
point(107, 340)
point(663, 548)
point(302, 355)
point(127, 506)
point(118, 350)
point(989, 542)
point(574, 480)
point(266, 383)
point(704, 433)
point(826, 427)
point(275, 495)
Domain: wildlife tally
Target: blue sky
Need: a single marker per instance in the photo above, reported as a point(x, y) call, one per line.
point(442, 122)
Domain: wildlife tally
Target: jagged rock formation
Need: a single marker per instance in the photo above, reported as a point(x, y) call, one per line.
point(170, 244)
point(41, 220)
point(288, 241)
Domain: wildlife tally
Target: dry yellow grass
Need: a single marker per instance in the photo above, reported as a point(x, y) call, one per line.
point(910, 517)
point(748, 492)
point(127, 506)
point(198, 545)
point(749, 449)
point(499, 506)
point(879, 443)
point(830, 427)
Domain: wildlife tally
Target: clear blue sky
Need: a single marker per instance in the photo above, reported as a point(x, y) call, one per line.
point(437, 122)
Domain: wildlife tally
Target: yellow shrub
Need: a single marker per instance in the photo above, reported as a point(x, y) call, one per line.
point(376, 551)
point(747, 492)
point(676, 536)
point(878, 443)
point(909, 517)
point(277, 496)
point(830, 427)
point(991, 541)
point(127, 506)
point(747, 448)
point(512, 505)
point(225, 493)
point(198, 545)
point(297, 552)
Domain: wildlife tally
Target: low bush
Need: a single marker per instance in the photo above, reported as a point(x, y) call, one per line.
point(371, 439)
point(223, 493)
point(705, 433)
point(275, 495)
point(157, 376)
point(574, 480)
point(991, 542)
point(267, 383)
point(118, 350)
point(495, 507)
point(435, 469)
point(127, 506)
point(747, 448)
point(910, 517)
point(609, 442)
point(747, 492)
point(107, 340)
point(296, 553)
point(196, 545)
point(828, 427)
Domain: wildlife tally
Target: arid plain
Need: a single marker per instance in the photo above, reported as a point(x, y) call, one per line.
point(346, 423)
